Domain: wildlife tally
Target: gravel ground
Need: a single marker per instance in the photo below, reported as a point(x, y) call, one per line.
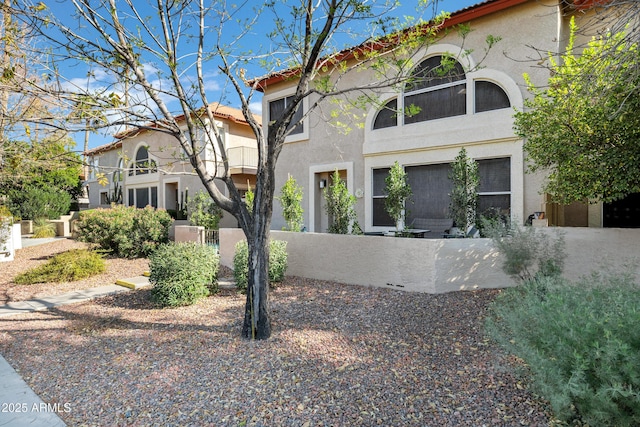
point(339, 356)
point(117, 268)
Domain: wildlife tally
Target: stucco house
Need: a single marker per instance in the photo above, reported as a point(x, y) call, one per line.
point(147, 167)
point(472, 107)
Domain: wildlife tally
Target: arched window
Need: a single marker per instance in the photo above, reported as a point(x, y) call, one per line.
point(436, 89)
point(489, 96)
point(388, 116)
point(143, 164)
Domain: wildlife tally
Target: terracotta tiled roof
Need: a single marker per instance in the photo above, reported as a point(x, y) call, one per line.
point(221, 112)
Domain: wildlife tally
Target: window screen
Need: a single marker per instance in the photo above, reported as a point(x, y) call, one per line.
point(431, 187)
point(380, 216)
point(277, 108)
point(490, 96)
point(387, 116)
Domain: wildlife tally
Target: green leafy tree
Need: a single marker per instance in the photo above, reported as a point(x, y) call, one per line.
point(464, 195)
point(339, 205)
point(203, 211)
point(583, 127)
point(291, 201)
point(398, 191)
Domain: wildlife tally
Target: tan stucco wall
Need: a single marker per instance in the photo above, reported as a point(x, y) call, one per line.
point(436, 265)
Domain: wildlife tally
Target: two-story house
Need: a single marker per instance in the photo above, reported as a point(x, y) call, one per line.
point(147, 167)
point(471, 106)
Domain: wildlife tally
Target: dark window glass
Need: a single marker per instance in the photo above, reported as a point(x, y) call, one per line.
point(495, 175)
point(435, 71)
point(142, 161)
point(380, 216)
point(276, 110)
point(387, 116)
point(130, 197)
point(142, 197)
point(154, 197)
point(494, 193)
point(437, 104)
point(490, 96)
point(491, 204)
point(431, 187)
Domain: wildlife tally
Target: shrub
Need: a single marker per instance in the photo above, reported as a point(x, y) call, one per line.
point(68, 266)
point(182, 273)
point(527, 251)
point(340, 205)
point(125, 231)
point(43, 228)
point(580, 344)
point(291, 202)
point(203, 212)
point(277, 263)
point(35, 202)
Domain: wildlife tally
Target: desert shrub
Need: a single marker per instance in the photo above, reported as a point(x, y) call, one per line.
point(36, 202)
point(580, 344)
point(42, 228)
point(277, 263)
point(182, 273)
point(203, 211)
point(68, 266)
point(527, 251)
point(125, 231)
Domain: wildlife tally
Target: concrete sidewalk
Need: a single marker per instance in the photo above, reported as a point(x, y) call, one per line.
point(21, 406)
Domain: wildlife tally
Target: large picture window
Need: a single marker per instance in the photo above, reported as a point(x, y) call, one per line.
point(277, 108)
point(432, 187)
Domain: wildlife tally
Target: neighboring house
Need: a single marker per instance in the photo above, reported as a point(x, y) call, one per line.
point(147, 167)
point(471, 109)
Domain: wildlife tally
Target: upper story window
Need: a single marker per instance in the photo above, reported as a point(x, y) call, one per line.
point(276, 109)
point(438, 88)
point(117, 174)
point(143, 163)
point(490, 96)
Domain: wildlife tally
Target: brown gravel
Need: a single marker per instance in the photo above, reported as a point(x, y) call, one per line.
point(339, 356)
point(29, 257)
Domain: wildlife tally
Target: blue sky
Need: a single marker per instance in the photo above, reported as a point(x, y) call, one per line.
point(77, 75)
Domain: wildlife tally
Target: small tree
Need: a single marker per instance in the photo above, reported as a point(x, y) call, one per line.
point(398, 191)
point(583, 126)
point(291, 201)
point(464, 196)
point(339, 205)
point(203, 211)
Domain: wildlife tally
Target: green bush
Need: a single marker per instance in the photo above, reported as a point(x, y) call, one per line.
point(277, 263)
point(203, 211)
point(42, 228)
point(580, 344)
point(125, 231)
point(36, 202)
point(68, 266)
point(527, 251)
point(182, 273)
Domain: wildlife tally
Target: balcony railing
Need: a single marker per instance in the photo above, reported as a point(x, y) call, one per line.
point(243, 158)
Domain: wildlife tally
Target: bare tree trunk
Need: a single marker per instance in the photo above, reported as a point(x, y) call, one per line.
point(257, 316)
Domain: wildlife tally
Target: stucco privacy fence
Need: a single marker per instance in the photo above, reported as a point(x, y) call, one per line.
point(436, 265)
